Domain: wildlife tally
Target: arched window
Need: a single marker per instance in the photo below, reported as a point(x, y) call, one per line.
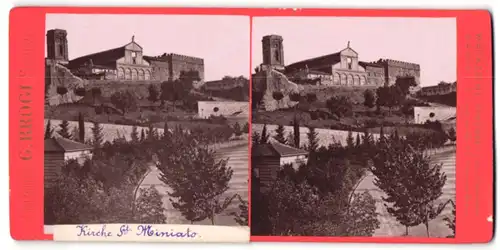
point(336, 79)
point(147, 75)
point(141, 74)
point(356, 80)
point(350, 80)
point(121, 73)
point(134, 74)
point(343, 79)
point(127, 74)
point(363, 80)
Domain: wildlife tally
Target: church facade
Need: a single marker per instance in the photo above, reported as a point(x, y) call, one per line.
point(124, 63)
point(341, 68)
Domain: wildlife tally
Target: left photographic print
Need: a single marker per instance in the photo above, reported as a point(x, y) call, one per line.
point(146, 121)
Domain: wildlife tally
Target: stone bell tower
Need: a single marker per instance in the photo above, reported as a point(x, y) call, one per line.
point(272, 52)
point(57, 45)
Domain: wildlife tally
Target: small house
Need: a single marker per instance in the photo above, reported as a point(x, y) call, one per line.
point(267, 160)
point(59, 150)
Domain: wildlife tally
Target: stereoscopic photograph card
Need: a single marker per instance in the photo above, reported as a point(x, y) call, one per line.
point(355, 127)
point(145, 127)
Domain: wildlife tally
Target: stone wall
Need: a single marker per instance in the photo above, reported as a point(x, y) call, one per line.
point(325, 136)
point(139, 88)
point(225, 108)
point(395, 68)
point(110, 131)
point(181, 63)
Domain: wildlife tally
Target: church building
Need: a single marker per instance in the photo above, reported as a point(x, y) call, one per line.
point(340, 68)
point(123, 63)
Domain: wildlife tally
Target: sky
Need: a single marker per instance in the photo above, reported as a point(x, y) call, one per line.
point(222, 41)
point(430, 42)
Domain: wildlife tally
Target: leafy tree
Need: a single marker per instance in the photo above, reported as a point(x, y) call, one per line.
point(80, 92)
point(311, 97)
point(255, 139)
point(97, 134)
point(294, 97)
point(404, 84)
point(278, 96)
point(290, 140)
point(361, 219)
point(246, 128)
point(152, 132)
point(64, 130)
point(81, 128)
point(313, 141)
point(452, 135)
point(369, 99)
point(411, 183)
point(383, 96)
point(280, 134)
point(451, 222)
point(197, 196)
point(242, 217)
point(291, 206)
point(48, 130)
point(61, 90)
point(153, 96)
point(167, 92)
point(96, 93)
point(407, 110)
point(124, 100)
point(264, 137)
point(340, 106)
point(149, 207)
point(134, 135)
point(237, 129)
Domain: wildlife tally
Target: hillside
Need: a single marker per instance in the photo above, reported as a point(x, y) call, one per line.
point(267, 82)
point(57, 76)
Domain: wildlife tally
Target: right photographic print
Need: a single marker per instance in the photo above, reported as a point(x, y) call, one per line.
point(354, 126)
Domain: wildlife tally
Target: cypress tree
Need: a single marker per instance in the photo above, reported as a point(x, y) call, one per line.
point(264, 138)
point(290, 140)
point(255, 138)
point(166, 131)
point(81, 128)
point(48, 130)
point(312, 137)
point(296, 132)
point(134, 135)
point(97, 134)
point(358, 140)
point(64, 130)
point(350, 139)
point(143, 136)
point(280, 134)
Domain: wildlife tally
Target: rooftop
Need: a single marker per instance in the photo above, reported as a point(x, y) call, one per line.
point(62, 145)
point(277, 149)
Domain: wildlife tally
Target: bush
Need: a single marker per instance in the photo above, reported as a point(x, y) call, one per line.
point(217, 119)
